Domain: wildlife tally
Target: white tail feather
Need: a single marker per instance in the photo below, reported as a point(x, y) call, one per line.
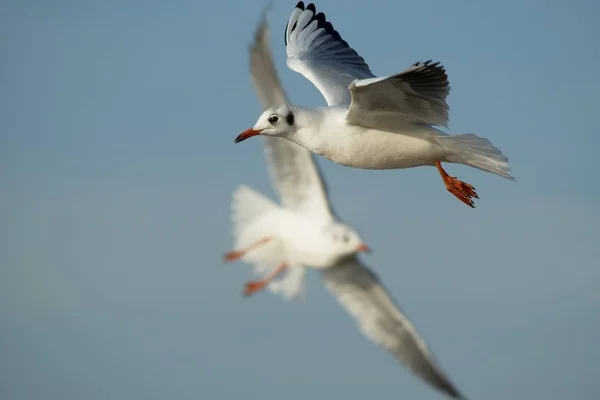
point(291, 284)
point(247, 206)
point(253, 217)
point(476, 152)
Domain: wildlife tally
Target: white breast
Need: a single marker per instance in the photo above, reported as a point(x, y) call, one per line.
point(357, 147)
point(305, 243)
point(370, 149)
point(295, 239)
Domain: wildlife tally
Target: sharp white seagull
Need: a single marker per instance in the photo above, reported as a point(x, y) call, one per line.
point(303, 232)
point(372, 122)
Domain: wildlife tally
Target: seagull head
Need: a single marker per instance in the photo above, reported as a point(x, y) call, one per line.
point(276, 121)
point(344, 240)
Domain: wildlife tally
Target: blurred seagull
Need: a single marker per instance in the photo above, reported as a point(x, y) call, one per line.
point(281, 241)
point(372, 122)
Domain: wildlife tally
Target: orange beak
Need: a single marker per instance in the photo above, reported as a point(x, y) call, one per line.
point(363, 248)
point(248, 133)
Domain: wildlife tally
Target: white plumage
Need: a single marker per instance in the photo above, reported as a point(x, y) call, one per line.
point(303, 232)
point(372, 122)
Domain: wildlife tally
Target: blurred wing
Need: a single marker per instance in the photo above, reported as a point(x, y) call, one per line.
point(380, 319)
point(293, 169)
point(417, 94)
point(262, 68)
point(317, 51)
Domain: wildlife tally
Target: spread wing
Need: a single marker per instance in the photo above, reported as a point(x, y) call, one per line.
point(294, 171)
point(317, 51)
point(381, 320)
point(417, 94)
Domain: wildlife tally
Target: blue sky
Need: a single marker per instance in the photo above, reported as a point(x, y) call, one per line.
point(117, 164)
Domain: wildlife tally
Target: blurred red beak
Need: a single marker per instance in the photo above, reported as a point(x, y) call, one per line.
point(246, 134)
point(363, 248)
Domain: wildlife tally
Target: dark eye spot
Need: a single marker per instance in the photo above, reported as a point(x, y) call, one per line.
point(346, 238)
point(273, 119)
point(290, 119)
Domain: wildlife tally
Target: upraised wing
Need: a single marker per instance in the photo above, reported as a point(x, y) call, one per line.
point(293, 169)
point(317, 51)
point(382, 321)
point(417, 94)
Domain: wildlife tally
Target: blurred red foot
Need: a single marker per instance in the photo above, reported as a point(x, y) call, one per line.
point(256, 286)
point(237, 254)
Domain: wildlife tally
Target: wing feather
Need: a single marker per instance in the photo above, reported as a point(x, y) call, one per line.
point(417, 94)
point(317, 51)
point(293, 169)
point(381, 320)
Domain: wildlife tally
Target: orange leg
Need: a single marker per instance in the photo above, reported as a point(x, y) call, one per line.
point(463, 191)
point(237, 254)
point(256, 286)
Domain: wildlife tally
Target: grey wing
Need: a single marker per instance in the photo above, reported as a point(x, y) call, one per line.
point(293, 169)
point(380, 319)
point(417, 94)
point(317, 51)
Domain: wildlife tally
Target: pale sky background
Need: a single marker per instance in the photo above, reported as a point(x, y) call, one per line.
point(117, 166)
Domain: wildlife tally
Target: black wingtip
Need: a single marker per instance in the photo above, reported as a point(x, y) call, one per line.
point(326, 25)
point(457, 395)
point(300, 6)
point(321, 21)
